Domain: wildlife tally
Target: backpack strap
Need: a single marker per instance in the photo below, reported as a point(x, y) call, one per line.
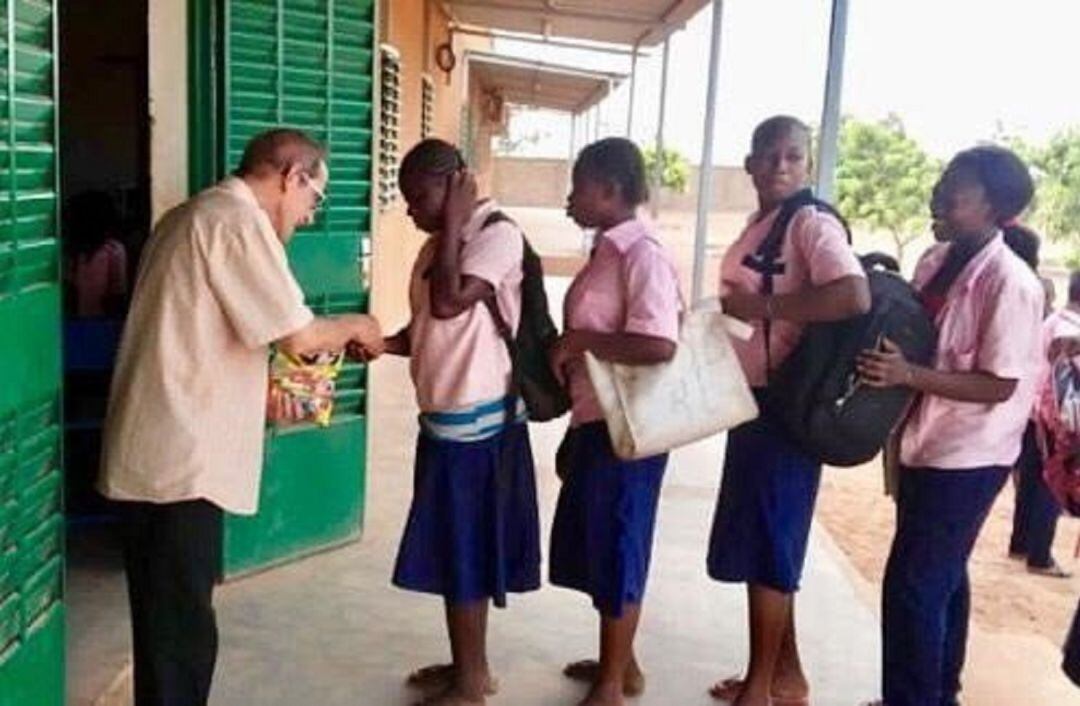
point(492, 304)
point(495, 217)
point(500, 323)
point(765, 260)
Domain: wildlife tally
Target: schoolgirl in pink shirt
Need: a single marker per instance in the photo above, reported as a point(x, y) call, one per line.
point(769, 485)
point(622, 307)
point(964, 434)
point(473, 531)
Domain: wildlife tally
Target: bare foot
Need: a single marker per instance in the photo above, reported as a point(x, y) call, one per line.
point(604, 695)
point(441, 677)
point(451, 697)
point(790, 688)
point(587, 670)
point(730, 690)
point(746, 699)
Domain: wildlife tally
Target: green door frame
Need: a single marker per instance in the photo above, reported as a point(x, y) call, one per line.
point(204, 93)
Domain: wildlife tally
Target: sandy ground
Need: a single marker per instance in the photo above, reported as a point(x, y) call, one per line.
point(1006, 598)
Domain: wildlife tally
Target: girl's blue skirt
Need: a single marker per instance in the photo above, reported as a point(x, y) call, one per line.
point(473, 531)
point(601, 539)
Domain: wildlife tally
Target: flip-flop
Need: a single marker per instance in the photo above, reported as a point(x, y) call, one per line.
point(1053, 571)
point(729, 689)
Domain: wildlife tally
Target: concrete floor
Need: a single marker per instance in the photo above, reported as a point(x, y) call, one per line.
point(98, 627)
point(332, 631)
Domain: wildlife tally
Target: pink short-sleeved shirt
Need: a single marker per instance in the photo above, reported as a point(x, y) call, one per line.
point(461, 361)
point(991, 322)
point(1064, 323)
point(1060, 324)
point(815, 252)
point(629, 285)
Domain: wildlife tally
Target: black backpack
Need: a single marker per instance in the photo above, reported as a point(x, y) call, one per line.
point(533, 379)
point(816, 394)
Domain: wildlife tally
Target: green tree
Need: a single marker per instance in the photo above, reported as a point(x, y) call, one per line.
point(675, 174)
point(884, 179)
point(1056, 167)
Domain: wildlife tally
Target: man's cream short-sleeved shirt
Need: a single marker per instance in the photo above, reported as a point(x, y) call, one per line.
point(188, 404)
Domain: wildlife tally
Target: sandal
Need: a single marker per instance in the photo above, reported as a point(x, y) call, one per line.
point(1053, 571)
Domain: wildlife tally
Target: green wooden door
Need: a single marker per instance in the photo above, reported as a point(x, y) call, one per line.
point(31, 523)
point(307, 64)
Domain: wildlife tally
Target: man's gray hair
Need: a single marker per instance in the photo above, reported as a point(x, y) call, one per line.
point(280, 149)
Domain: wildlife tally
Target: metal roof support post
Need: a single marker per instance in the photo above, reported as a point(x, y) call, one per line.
point(701, 229)
point(573, 135)
point(573, 151)
point(825, 176)
point(658, 170)
point(601, 111)
point(633, 95)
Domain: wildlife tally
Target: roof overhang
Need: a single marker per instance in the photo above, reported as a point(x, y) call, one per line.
point(539, 84)
point(636, 23)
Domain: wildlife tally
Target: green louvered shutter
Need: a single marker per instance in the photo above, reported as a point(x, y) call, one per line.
point(31, 523)
point(308, 64)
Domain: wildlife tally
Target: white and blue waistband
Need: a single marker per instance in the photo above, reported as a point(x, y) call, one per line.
point(476, 422)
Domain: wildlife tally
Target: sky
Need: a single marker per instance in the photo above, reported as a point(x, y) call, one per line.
point(955, 71)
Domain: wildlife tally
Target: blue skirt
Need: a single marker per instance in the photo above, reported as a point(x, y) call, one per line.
point(473, 531)
point(601, 539)
point(763, 513)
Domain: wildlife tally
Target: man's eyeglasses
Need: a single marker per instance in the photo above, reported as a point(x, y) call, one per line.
point(320, 195)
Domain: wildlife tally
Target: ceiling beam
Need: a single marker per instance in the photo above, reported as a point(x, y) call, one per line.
point(647, 23)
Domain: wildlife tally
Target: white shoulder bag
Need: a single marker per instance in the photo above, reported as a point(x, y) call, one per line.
point(651, 409)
